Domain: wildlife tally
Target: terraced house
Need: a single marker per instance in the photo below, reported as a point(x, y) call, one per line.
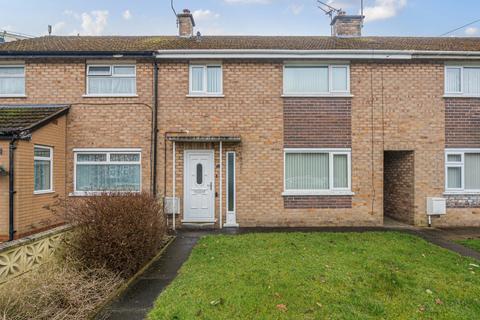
point(233, 131)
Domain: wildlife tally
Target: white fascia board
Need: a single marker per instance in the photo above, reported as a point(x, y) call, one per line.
point(315, 54)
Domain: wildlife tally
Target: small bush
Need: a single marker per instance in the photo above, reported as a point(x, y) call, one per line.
point(56, 291)
point(120, 232)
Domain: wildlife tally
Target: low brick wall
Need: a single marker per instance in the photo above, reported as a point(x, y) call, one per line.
point(20, 256)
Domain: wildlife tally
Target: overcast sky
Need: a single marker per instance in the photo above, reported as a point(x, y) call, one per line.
point(213, 17)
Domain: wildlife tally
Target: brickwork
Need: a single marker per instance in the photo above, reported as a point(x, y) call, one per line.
point(93, 122)
point(325, 202)
point(395, 106)
point(462, 123)
point(399, 197)
point(31, 213)
point(317, 122)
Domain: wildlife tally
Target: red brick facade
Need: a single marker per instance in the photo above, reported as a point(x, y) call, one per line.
point(394, 106)
point(462, 122)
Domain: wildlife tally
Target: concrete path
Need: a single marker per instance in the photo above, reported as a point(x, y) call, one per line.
point(138, 299)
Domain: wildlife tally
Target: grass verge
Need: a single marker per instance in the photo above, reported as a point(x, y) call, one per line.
point(321, 276)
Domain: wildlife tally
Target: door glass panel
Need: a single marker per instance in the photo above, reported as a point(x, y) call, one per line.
point(199, 173)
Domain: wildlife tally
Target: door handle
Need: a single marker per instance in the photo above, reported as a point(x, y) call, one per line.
point(211, 186)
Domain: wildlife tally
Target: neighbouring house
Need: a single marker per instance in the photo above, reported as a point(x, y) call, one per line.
point(7, 36)
point(337, 130)
point(32, 158)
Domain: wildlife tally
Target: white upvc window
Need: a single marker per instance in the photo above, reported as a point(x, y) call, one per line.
point(111, 80)
point(462, 170)
point(462, 80)
point(206, 79)
point(316, 79)
point(12, 80)
point(107, 170)
point(317, 171)
point(42, 169)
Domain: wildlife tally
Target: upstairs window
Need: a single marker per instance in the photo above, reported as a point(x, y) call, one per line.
point(462, 80)
point(12, 80)
point(311, 80)
point(111, 80)
point(205, 79)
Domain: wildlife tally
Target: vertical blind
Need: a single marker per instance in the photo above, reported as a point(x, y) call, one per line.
point(471, 80)
point(472, 171)
point(454, 177)
point(306, 171)
point(306, 79)
point(340, 79)
point(340, 171)
point(12, 80)
point(453, 80)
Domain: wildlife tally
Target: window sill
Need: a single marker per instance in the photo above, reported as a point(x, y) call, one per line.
point(192, 95)
point(43, 192)
point(460, 96)
point(110, 96)
point(325, 95)
point(461, 193)
point(96, 193)
point(198, 220)
point(317, 193)
point(13, 95)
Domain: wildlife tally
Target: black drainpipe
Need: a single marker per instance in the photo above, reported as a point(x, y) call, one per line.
point(11, 176)
point(155, 127)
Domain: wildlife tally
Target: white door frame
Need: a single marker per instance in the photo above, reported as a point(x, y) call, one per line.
point(211, 153)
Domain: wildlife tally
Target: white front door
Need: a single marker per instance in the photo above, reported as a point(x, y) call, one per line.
point(199, 189)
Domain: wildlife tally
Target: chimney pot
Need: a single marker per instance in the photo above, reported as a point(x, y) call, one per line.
point(185, 23)
point(344, 25)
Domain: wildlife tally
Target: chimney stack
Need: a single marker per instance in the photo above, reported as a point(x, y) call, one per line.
point(185, 23)
point(344, 25)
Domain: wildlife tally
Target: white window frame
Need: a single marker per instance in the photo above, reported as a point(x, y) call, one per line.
point(13, 95)
point(111, 66)
point(50, 159)
point(331, 190)
point(234, 182)
point(330, 91)
point(461, 164)
point(460, 93)
point(108, 152)
point(204, 92)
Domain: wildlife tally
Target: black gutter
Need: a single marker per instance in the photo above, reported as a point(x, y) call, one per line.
point(155, 127)
point(11, 187)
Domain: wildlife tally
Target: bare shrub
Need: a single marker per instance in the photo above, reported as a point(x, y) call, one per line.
point(117, 231)
point(56, 291)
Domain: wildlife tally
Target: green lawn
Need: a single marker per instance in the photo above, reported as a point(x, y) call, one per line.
point(471, 243)
point(321, 276)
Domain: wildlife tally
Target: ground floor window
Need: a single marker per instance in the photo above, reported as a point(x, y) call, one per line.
point(98, 170)
point(42, 169)
point(462, 170)
point(317, 171)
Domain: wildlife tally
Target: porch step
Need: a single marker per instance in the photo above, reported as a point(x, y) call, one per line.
point(198, 225)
